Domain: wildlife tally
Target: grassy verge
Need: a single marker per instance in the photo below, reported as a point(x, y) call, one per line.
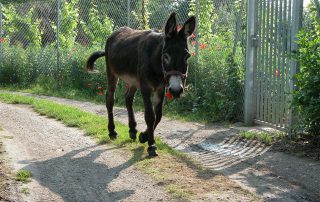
point(71, 93)
point(181, 176)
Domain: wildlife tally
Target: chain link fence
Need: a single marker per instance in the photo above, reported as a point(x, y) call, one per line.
point(48, 41)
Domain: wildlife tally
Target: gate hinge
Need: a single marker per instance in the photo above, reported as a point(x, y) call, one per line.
point(256, 41)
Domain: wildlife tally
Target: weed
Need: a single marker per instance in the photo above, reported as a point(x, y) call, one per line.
point(264, 137)
point(23, 176)
point(25, 191)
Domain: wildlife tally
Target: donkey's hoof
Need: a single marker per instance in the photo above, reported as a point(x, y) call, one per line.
point(152, 151)
point(113, 135)
point(143, 137)
point(133, 136)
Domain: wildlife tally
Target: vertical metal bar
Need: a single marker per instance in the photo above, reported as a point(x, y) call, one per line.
point(128, 12)
point(258, 76)
point(197, 43)
point(263, 66)
point(58, 40)
point(1, 34)
point(275, 72)
point(297, 12)
point(270, 72)
point(280, 62)
point(288, 66)
point(267, 90)
point(251, 62)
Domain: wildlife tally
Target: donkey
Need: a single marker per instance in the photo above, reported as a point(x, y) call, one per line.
point(150, 61)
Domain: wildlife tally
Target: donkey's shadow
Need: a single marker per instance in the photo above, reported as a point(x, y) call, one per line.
point(81, 178)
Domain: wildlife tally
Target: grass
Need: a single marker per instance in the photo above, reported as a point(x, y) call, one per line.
point(25, 191)
point(23, 176)
point(98, 99)
point(177, 172)
point(264, 137)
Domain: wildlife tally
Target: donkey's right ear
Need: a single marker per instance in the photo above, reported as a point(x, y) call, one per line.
point(171, 26)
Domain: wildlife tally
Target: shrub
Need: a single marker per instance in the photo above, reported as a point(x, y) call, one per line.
point(306, 98)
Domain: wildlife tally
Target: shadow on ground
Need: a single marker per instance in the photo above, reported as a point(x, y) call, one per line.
point(81, 178)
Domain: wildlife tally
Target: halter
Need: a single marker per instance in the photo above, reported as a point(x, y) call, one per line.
point(173, 73)
point(166, 74)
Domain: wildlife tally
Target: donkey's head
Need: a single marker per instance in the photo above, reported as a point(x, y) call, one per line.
point(175, 54)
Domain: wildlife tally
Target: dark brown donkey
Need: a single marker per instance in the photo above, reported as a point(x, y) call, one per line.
point(150, 61)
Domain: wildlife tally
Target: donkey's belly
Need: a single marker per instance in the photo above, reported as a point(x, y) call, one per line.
point(130, 80)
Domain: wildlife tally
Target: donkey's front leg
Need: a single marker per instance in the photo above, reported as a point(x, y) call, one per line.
point(150, 121)
point(159, 97)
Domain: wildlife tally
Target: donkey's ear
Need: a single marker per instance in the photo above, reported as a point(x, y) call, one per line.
point(170, 27)
point(188, 27)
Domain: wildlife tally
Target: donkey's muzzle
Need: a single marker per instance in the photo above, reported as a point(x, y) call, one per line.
point(176, 92)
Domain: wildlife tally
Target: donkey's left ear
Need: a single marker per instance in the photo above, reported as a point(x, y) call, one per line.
point(171, 26)
point(188, 27)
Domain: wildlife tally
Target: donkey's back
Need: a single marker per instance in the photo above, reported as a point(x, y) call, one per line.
point(127, 50)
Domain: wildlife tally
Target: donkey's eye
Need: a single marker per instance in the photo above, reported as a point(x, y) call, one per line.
point(166, 58)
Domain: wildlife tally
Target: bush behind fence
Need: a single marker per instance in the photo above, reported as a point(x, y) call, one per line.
point(46, 43)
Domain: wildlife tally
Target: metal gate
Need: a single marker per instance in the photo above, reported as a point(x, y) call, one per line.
point(271, 39)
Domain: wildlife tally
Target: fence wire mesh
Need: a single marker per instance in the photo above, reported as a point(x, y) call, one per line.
point(49, 40)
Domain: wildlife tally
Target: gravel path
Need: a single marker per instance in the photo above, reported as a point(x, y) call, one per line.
point(69, 166)
point(271, 175)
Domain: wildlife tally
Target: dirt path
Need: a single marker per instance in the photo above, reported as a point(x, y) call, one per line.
point(68, 166)
point(271, 175)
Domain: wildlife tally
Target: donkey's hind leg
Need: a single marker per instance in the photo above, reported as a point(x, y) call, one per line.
point(111, 88)
point(132, 122)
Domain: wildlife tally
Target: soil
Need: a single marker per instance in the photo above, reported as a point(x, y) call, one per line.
point(272, 175)
point(66, 165)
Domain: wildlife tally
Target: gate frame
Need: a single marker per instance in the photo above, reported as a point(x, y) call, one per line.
point(251, 59)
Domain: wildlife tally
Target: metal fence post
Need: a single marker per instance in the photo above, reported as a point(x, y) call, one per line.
point(1, 34)
point(297, 13)
point(251, 62)
point(58, 40)
point(128, 12)
point(197, 43)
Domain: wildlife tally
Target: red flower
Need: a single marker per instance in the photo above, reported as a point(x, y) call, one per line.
point(2, 40)
point(193, 35)
point(169, 96)
point(100, 82)
point(194, 43)
point(276, 72)
point(203, 46)
point(100, 87)
point(100, 93)
point(193, 54)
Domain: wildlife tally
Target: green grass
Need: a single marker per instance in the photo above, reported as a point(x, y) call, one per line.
point(177, 191)
point(71, 93)
point(25, 191)
point(23, 176)
point(264, 137)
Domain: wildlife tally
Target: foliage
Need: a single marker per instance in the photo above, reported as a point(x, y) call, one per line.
point(96, 28)
point(307, 96)
point(21, 28)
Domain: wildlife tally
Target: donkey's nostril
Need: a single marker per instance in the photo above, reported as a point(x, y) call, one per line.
point(176, 92)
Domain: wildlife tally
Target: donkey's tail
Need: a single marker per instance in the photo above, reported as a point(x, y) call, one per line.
point(93, 57)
